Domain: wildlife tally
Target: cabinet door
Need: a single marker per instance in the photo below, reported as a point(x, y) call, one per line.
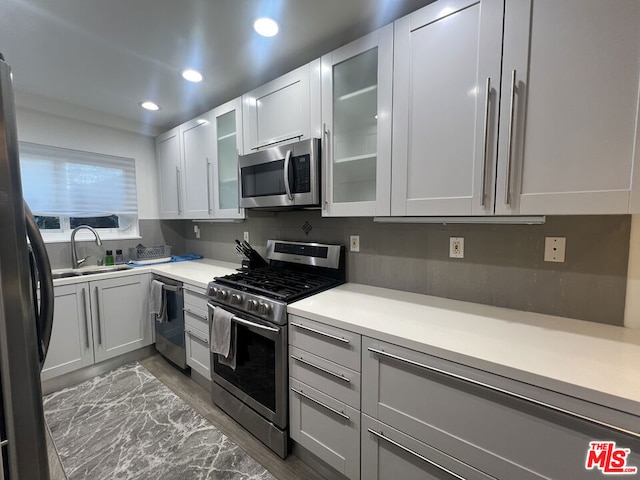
point(326, 427)
point(121, 320)
point(71, 345)
point(569, 106)
point(169, 173)
point(197, 156)
point(446, 58)
point(356, 116)
point(197, 347)
point(227, 144)
point(388, 454)
point(284, 109)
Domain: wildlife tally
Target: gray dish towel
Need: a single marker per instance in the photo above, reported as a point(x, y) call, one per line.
point(158, 302)
point(223, 337)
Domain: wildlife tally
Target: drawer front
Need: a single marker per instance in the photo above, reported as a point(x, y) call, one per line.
point(392, 455)
point(339, 345)
point(335, 380)
point(197, 319)
point(503, 435)
point(197, 350)
point(195, 299)
point(327, 428)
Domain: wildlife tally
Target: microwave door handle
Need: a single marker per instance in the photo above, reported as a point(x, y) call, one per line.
point(287, 187)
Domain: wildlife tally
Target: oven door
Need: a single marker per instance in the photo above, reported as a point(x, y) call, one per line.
point(282, 176)
point(260, 377)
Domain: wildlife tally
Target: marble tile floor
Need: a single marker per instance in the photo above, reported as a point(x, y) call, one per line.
point(199, 400)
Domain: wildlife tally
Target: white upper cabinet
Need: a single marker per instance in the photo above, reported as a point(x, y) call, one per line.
point(169, 171)
point(197, 158)
point(568, 146)
point(285, 109)
point(226, 121)
point(563, 139)
point(446, 59)
point(356, 117)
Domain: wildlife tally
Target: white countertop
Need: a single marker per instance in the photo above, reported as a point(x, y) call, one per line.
point(195, 272)
point(601, 358)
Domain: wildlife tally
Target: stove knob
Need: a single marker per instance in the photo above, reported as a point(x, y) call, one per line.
point(236, 299)
point(252, 305)
point(213, 292)
point(221, 294)
point(263, 308)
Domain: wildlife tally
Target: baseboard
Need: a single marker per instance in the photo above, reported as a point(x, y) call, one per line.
point(78, 376)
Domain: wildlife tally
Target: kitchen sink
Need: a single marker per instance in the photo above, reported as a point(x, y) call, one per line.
point(88, 271)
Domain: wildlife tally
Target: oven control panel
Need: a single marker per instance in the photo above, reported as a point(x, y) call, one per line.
point(248, 303)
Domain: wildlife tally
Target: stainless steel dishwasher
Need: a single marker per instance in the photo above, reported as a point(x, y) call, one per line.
point(170, 330)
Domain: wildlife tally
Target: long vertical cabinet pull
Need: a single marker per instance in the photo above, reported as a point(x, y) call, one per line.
point(98, 316)
point(209, 187)
point(512, 107)
point(325, 147)
point(86, 317)
point(485, 147)
point(179, 190)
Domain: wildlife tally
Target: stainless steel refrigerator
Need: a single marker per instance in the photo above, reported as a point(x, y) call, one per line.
point(25, 322)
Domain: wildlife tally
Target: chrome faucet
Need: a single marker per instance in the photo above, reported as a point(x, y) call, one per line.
point(75, 263)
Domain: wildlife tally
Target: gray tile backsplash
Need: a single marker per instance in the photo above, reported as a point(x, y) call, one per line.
point(503, 264)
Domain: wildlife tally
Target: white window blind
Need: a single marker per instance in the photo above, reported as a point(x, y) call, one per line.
point(71, 183)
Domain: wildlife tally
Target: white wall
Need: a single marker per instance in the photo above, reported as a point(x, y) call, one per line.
point(61, 131)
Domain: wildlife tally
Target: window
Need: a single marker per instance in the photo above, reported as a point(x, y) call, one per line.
point(67, 188)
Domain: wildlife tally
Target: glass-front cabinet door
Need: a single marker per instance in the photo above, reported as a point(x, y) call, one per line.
point(227, 139)
point(356, 95)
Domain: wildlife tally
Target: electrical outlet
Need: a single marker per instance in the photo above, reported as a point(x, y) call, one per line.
point(196, 230)
point(246, 236)
point(354, 243)
point(554, 249)
point(456, 247)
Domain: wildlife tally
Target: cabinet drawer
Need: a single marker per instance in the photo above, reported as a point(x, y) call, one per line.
point(340, 382)
point(197, 350)
point(195, 299)
point(339, 345)
point(326, 427)
point(392, 455)
point(490, 422)
point(197, 319)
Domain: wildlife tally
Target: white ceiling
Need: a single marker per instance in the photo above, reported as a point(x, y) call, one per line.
point(108, 55)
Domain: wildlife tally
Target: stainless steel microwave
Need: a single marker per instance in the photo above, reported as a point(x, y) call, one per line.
point(282, 176)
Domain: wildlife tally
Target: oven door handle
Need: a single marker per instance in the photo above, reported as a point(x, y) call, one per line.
point(248, 323)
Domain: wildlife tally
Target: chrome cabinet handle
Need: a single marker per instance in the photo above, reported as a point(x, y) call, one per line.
point(317, 402)
point(485, 147)
point(287, 187)
point(322, 369)
point(179, 190)
point(197, 337)
point(325, 168)
point(209, 186)
point(313, 330)
point(98, 316)
point(188, 310)
point(86, 318)
point(247, 322)
point(548, 406)
point(415, 454)
point(512, 107)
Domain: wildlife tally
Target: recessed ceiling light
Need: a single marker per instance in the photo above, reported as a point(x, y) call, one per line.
point(149, 106)
point(266, 27)
point(192, 75)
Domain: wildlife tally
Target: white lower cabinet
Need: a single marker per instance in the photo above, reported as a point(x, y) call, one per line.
point(96, 321)
point(196, 331)
point(324, 393)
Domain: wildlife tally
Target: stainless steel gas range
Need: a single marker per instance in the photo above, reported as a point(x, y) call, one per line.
point(254, 393)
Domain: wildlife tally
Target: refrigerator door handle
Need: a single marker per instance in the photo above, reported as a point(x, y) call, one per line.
point(44, 312)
